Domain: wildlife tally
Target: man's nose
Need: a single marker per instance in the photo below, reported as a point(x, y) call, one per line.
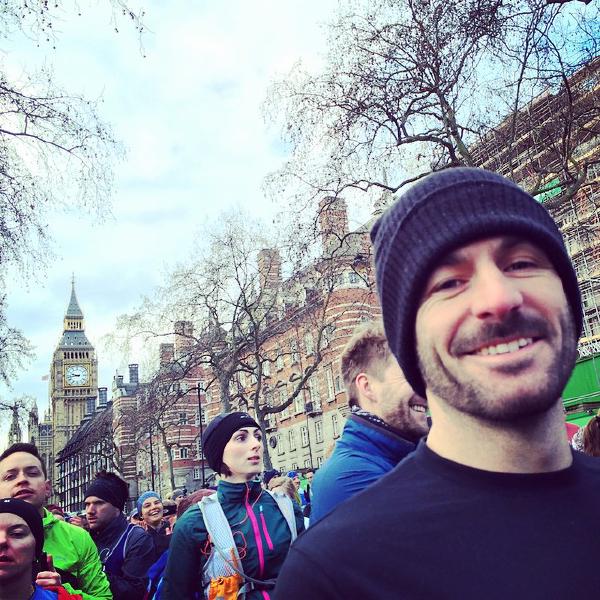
point(495, 294)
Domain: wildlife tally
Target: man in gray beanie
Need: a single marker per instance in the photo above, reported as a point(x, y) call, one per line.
point(482, 310)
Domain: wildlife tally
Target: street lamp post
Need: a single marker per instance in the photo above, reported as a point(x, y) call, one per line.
point(151, 459)
point(200, 448)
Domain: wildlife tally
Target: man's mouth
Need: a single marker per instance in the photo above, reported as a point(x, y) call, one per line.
point(504, 347)
point(25, 492)
point(5, 558)
point(418, 405)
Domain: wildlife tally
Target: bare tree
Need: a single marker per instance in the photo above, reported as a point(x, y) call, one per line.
point(56, 153)
point(412, 86)
point(248, 318)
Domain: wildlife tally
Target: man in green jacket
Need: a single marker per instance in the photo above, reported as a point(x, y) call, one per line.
point(23, 475)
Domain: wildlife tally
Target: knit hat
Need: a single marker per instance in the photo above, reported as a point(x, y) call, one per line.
point(110, 489)
point(143, 498)
point(268, 475)
point(219, 432)
point(30, 515)
point(440, 213)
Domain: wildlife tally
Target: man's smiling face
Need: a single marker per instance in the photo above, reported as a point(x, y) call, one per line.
point(495, 337)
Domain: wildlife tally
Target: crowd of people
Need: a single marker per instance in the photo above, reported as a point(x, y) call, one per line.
point(455, 476)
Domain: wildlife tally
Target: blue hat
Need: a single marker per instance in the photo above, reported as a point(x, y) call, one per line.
point(292, 474)
point(143, 498)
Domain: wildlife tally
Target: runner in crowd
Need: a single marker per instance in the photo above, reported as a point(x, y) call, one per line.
point(251, 530)
point(126, 550)
point(150, 510)
point(482, 309)
point(23, 476)
point(26, 573)
point(386, 421)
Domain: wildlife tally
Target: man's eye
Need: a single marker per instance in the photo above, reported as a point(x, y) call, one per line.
point(519, 265)
point(447, 284)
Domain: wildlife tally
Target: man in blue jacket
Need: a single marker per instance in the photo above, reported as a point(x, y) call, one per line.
point(387, 420)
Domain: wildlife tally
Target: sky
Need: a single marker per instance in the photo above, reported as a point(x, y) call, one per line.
point(188, 109)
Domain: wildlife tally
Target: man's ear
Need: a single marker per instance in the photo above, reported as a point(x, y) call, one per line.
point(363, 385)
point(48, 489)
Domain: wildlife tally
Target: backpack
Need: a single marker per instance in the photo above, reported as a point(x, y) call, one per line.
point(223, 576)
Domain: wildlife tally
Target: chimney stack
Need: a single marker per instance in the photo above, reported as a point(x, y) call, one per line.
point(102, 397)
point(184, 330)
point(333, 223)
point(167, 353)
point(134, 374)
point(269, 268)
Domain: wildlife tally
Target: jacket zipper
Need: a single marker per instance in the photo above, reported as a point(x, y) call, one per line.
point(259, 546)
point(265, 530)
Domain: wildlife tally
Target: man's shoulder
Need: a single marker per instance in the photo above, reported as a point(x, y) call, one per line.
point(62, 529)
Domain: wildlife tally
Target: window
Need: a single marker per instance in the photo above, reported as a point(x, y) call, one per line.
point(285, 413)
point(204, 420)
point(319, 462)
point(266, 368)
point(199, 450)
point(183, 420)
point(292, 439)
point(309, 343)
point(307, 463)
point(294, 351)
point(299, 403)
point(319, 431)
point(294, 466)
point(338, 384)
point(335, 426)
point(280, 448)
point(313, 388)
point(329, 380)
point(197, 472)
point(304, 435)
point(183, 453)
point(202, 386)
point(328, 334)
point(353, 278)
point(279, 363)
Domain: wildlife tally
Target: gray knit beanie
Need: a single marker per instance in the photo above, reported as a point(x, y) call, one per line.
point(439, 213)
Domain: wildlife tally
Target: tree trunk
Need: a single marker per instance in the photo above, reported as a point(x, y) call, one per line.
point(169, 459)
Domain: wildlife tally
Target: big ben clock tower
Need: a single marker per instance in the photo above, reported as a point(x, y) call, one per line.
point(73, 379)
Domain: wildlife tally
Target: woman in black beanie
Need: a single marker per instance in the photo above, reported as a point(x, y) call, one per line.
point(262, 524)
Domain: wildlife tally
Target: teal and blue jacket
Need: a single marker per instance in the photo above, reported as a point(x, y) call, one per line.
point(259, 529)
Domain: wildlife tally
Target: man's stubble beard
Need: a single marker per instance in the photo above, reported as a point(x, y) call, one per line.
point(474, 398)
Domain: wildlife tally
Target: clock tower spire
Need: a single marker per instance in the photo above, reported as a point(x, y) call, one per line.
point(73, 379)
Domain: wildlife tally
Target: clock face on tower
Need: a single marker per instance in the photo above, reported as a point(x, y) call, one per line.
point(76, 375)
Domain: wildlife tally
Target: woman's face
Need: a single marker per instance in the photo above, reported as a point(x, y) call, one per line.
point(152, 511)
point(243, 455)
point(17, 547)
